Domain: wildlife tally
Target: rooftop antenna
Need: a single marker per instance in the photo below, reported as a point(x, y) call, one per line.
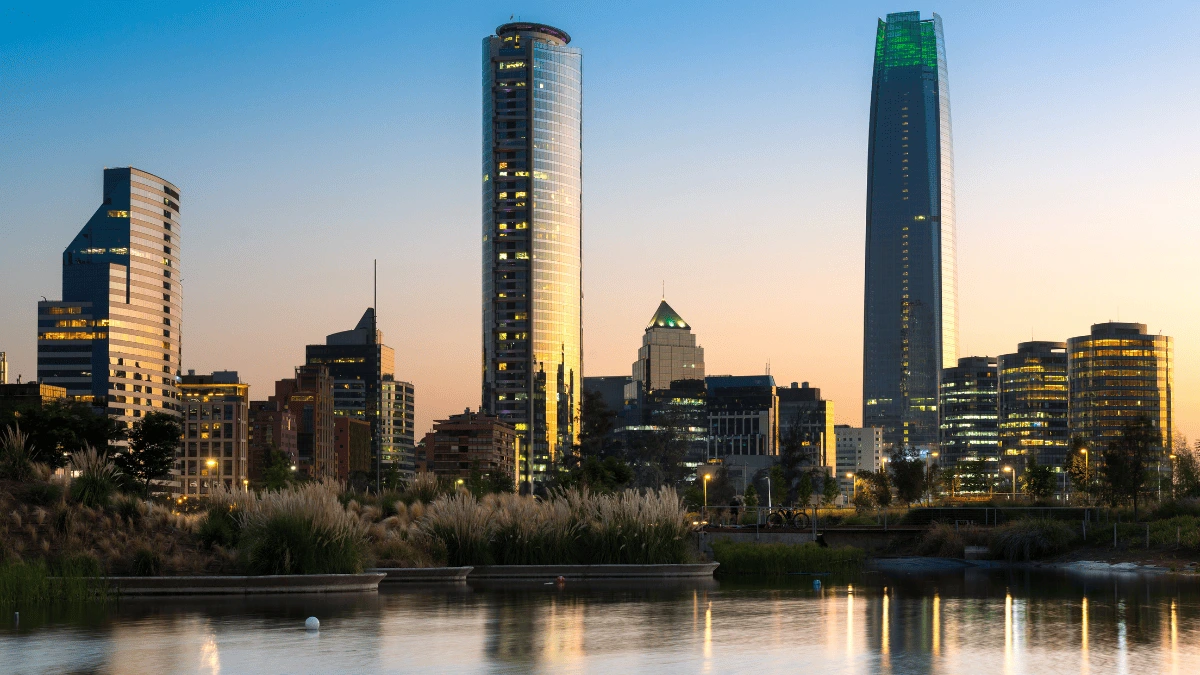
point(664, 296)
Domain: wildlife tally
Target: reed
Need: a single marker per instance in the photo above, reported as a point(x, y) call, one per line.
point(73, 579)
point(1031, 538)
point(304, 530)
point(781, 559)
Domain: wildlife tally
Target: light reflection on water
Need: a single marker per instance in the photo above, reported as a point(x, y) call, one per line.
point(976, 622)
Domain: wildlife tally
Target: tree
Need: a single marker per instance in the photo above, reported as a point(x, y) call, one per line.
point(779, 486)
point(804, 489)
point(595, 424)
point(1080, 469)
point(1037, 481)
point(933, 480)
point(598, 475)
point(1186, 474)
point(1128, 460)
point(830, 490)
point(277, 472)
point(908, 473)
point(150, 454)
point(975, 476)
point(61, 428)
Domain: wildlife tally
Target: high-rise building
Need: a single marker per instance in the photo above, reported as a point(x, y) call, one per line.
point(532, 247)
point(1118, 373)
point(743, 415)
point(273, 428)
point(364, 387)
point(1033, 404)
point(858, 449)
point(911, 303)
point(807, 418)
point(970, 410)
point(214, 447)
point(309, 397)
point(473, 443)
point(352, 443)
point(668, 353)
point(3, 368)
point(114, 338)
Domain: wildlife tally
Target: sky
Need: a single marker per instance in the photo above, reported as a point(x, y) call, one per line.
point(725, 149)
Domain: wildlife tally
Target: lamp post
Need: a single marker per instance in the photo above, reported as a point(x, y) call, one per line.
point(707, 477)
point(853, 486)
point(1009, 469)
point(1172, 458)
point(212, 465)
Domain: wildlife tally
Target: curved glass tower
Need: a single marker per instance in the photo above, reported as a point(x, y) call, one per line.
point(911, 304)
point(532, 227)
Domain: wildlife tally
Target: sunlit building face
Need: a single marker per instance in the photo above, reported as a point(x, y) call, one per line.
point(1033, 404)
point(911, 306)
point(115, 337)
point(532, 257)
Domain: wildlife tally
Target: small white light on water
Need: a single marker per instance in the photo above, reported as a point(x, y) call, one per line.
point(312, 623)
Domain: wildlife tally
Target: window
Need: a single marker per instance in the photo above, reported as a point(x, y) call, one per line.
point(118, 214)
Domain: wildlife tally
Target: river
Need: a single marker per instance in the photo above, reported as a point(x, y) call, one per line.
point(975, 622)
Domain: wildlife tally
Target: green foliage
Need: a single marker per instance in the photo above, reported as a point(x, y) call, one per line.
point(277, 473)
point(804, 489)
point(1186, 473)
point(16, 455)
point(875, 488)
point(908, 473)
point(97, 480)
point(830, 490)
point(424, 487)
point(976, 476)
point(146, 563)
point(779, 559)
point(595, 423)
point(941, 540)
point(38, 493)
point(1128, 460)
point(75, 578)
point(62, 428)
point(1030, 539)
point(151, 451)
point(129, 508)
point(599, 475)
point(1037, 481)
point(220, 526)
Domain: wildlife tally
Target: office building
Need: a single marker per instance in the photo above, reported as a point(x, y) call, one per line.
point(473, 443)
point(911, 300)
point(806, 418)
point(352, 444)
point(3, 368)
point(1033, 405)
point(214, 447)
point(1117, 373)
point(114, 338)
point(970, 410)
point(272, 428)
point(610, 389)
point(17, 398)
point(743, 415)
point(309, 397)
point(858, 449)
point(668, 353)
point(532, 247)
point(364, 388)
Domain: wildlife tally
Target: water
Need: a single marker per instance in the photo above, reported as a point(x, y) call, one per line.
point(974, 622)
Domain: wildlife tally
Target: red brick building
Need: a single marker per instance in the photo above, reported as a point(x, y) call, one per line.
point(272, 427)
point(472, 442)
point(352, 444)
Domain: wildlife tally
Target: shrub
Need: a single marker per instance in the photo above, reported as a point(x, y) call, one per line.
point(97, 480)
point(424, 487)
point(16, 457)
point(75, 578)
point(129, 508)
point(220, 526)
point(780, 559)
point(146, 563)
point(42, 494)
point(301, 531)
point(1030, 539)
point(462, 525)
point(1175, 508)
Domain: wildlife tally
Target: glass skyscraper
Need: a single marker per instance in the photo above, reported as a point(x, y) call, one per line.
point(910, 311)
point(532, 226)
point(114, 338)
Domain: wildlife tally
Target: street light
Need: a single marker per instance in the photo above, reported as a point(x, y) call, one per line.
point(853, 486)
point(212, 465)
point(1014, 481)
point(1172, 458)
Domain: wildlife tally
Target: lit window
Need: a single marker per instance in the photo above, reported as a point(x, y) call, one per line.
point(501, 366)
point(118, 214)
point(503, 256)
point(522, 255)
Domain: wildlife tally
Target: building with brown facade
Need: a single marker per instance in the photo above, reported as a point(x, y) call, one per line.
point(473, 442)
point(352, 443)
point(309, 397)
point(272, 429)
point(214, 447)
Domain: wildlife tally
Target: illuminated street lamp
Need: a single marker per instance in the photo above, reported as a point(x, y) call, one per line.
point(853, 486)
point(1014, 481)
point(212, 466)
point(707, 477)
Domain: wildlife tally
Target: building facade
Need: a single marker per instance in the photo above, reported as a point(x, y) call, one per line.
point(532, 245)
point(668, 353)
point(1117, 373)
point(970, 410)
point(309, 397)
point(911, 299)
point(1033, 404)
point(115, 338)
point(743, 415)
point(3, 368)
point(16, 398)
point(858, 449)
point(272, 428)
point(352, 444)
point(214, 450)
point(473, 442)
point(364, 388)
point(806, 418)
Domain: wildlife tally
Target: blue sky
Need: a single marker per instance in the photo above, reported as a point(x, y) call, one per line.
point(725, 154)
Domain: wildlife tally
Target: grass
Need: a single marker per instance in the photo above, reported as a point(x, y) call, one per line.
point(1031, 538)
point(304, 530)
point(779, 559)
point(72, 579)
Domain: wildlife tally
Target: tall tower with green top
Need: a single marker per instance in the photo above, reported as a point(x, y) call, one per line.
point(910, 312)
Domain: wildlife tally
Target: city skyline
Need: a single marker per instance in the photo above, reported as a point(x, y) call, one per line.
point(430, 311)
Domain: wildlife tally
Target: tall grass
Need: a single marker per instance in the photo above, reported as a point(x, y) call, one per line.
point(747, 558)
point(1031, 538)
point(571, 527)
point(97, 480)
point(72, 579)
point(305, 530)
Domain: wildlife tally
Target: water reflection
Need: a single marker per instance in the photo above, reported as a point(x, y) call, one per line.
point(977, 622)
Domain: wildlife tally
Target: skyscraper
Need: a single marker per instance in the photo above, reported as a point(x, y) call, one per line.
point(532, 226)
point(1116, 374)
point(970, 411)
point(1033, 404)
point(668, 353)
point(114, 339)
point(910, 312)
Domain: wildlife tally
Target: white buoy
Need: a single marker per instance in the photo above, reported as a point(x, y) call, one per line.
point(312, 623)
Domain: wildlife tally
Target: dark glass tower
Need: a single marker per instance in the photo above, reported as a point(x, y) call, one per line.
point(910, 312)
point(532, 227)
